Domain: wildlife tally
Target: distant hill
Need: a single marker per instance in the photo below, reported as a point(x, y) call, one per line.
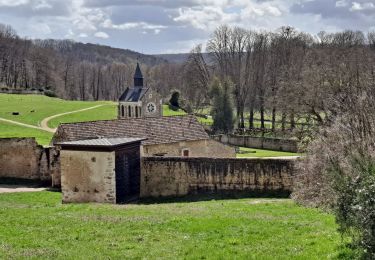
point(177, 58)
point(95, 53)
point(68, 69)
point(180, 58)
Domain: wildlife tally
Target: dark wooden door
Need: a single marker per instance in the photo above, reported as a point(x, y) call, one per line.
point(127, 175)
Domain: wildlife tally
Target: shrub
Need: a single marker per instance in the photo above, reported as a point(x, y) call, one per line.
point(174, 100)
point(339, 172)
point(50, 93)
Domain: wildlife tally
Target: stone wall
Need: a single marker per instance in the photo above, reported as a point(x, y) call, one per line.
point(163, 176)
point(275, 144)
point(23, 158)
point(200, 148)
point(88, 176)
point(21, 91)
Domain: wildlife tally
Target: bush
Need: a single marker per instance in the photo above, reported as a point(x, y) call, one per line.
point(339, 172)
point(174, 100)
point(355, 210)
point(173, 107)
point(50, 93)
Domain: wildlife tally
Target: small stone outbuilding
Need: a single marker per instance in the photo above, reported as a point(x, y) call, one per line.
point(105, 170)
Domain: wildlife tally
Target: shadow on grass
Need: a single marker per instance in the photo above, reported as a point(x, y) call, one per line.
point(24, 182)
point(348, 252)
point(207, 196)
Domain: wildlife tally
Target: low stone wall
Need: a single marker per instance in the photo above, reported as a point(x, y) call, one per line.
point(275, 144)
point(21, 91)
point(198, 148)
point(173, 176)
point(23, 158)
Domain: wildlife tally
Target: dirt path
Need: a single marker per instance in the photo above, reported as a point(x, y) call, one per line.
point(44, 123)
point(21, 124)
point(18, 188)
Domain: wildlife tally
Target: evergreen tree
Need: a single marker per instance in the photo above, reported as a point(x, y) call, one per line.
point(222, 110)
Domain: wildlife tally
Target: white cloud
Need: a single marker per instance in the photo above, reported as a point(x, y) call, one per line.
point(132, 25)
point(360, 7)
point(341, 3)
point(102, 35)
point(206, 18)
point(13, 2)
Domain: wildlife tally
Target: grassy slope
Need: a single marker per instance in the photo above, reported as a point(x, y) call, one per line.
point(11, 130)
point(251, 152)
point(37, 225)
point(41, 105)
point(100, 113)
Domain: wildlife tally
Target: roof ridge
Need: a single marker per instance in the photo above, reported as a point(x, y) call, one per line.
point(128, 119)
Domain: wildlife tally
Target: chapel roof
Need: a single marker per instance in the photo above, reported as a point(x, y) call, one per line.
point(133, 94)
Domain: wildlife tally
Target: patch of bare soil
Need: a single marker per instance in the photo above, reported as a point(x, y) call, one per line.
point(5, 188)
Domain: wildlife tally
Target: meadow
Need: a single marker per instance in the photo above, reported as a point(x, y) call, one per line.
point(36, 225)
point(33, 109)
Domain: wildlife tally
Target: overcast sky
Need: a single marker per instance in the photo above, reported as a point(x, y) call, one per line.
point(173, 26)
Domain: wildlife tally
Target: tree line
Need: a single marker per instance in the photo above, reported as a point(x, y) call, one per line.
point(290, 75)
point(68, 69)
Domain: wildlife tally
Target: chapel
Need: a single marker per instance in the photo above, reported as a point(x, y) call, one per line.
point(139, 101)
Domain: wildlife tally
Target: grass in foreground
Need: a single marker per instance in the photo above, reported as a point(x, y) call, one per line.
point(37, 225)
point(251, 152)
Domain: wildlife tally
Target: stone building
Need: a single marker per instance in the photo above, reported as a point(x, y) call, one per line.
point(166, 136)
point(139, 101)
point(100, 170)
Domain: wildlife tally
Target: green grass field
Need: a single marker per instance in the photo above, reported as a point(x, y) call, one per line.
point(11, 130)
point(42, 107)
point(251, 152)
point(37, 226)
point(106, 112)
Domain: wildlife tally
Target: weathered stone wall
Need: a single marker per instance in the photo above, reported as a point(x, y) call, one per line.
point(88, 176)
point(163, 176)
point(274, 144)
point(199, 148)
point(23, 158)
point(21, 91)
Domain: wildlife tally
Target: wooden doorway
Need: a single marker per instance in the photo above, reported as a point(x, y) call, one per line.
point(127, 169)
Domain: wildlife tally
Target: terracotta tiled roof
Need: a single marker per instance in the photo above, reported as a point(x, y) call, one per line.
point(156, 130)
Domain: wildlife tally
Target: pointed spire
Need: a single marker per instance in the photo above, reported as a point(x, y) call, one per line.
point(138, 77)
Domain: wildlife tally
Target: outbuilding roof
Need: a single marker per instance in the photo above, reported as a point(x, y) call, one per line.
point(159, 130)
point(102, 142)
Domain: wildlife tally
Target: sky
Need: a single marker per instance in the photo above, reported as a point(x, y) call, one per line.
point(175, 26)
